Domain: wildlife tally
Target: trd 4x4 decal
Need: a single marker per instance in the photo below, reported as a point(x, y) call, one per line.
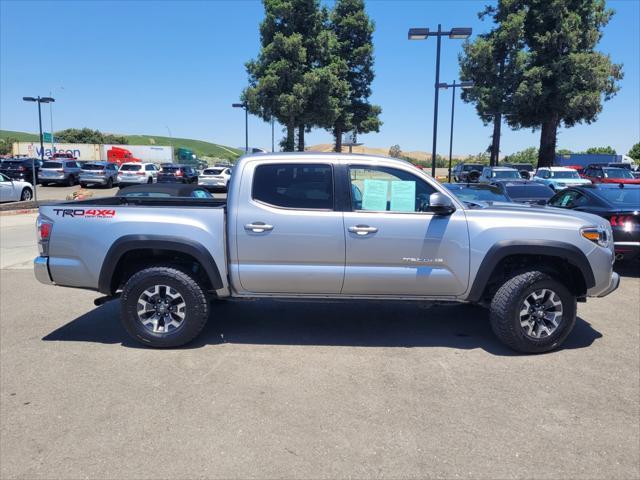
point(81, 212)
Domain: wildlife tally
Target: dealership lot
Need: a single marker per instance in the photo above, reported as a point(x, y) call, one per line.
point(324, 390)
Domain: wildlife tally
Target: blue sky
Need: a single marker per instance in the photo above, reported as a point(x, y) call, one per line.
point(140, 67)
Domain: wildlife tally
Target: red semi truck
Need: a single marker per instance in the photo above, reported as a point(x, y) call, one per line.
point(120, 155)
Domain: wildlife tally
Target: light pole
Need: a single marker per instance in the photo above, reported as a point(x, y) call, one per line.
point(273, 148)
point(53, 146)
point(423, 34)
point(39, 100)
point(170, 141)
point(453, 107)
point(246, 124)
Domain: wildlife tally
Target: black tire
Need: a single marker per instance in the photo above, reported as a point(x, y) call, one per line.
point(109, 183)
point(71, 181)
point(150, 180)
point(197, 307)
point(83, 185)
point(508, 301)
point(26, 195)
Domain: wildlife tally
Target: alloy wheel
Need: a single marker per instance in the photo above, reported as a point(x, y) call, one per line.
point(161, 309)
point(541, 313)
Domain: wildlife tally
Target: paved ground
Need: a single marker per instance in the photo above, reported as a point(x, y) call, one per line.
point(311, 390)
point(60, 192)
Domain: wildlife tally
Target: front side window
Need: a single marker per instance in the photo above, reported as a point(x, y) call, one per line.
point(303, 186)
point(386, 189)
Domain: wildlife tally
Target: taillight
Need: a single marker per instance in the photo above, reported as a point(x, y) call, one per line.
point(139, 173)
point(625, 221)
point(179, 173)
point(43, 228)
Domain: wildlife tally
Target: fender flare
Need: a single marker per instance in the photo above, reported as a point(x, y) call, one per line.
point(161, 242)
point(548, 248)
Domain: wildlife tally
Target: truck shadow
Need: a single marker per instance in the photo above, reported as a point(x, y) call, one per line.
point(353, 324)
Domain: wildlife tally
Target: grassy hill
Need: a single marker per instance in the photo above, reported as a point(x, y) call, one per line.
point(199, 147)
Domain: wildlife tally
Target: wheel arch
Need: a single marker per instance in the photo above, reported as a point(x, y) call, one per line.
point(561, 258)
point(147, 248)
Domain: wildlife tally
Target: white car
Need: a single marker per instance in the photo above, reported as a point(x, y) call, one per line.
point(135, 173)
point(559, 178)
point(14, 190)
point(215, 177)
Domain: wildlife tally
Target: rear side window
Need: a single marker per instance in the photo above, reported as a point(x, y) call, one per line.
point(304, 186)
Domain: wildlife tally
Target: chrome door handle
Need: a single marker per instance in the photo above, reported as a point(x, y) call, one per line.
point(258, 227)
point(363, 230)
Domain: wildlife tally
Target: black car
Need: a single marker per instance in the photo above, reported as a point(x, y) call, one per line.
point(176, 173)
point(164, 191)
point(618, 203)
point(525, 191)
point(477, 192)
point(21, 169)
point(466, 172)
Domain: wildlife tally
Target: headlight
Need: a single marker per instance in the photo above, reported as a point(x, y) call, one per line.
point(597, 235)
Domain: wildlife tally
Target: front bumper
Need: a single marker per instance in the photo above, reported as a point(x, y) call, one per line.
point(614, 282)
point(41, 270)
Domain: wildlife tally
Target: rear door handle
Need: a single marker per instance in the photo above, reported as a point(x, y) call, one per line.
point(258, 227)
point(363, 230)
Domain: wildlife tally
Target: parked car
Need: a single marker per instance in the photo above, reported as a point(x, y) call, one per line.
point(99, 173)
point(292, 229)
point(466, 172)
point(600, 174)
point(60, 171)
point(215, 178)
point(136, 173)
point(525, 169)
point(164, 190)
point(477, 192)
point(14, 190)
point(492, 174)
point(62, 156)
point(21, 169)
point(525, 191)
point(619, 204)
point(558, 178)
point(171, 172)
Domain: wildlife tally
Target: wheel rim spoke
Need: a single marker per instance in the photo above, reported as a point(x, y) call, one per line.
point(541, 313)
point(161, 309)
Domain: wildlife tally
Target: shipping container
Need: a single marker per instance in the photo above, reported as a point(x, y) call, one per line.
point(93, 152)
point(145, 153)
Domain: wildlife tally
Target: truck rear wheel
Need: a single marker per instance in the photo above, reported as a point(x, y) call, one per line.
point(533, 313)
point(163, 307)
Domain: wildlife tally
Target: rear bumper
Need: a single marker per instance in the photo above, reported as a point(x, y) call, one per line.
point(132, 180)
point(627, 250)
point(93, 179)
point(41, 270)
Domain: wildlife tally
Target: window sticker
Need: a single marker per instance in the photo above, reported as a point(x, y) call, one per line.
point(403, 196)
point(374, 196)
point(565, 200)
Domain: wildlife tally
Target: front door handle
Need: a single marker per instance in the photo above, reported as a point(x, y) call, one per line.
point(258, 227)
point(363, 230)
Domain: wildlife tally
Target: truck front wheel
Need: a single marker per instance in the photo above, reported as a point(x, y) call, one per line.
point(163, 307)
point(533, 313)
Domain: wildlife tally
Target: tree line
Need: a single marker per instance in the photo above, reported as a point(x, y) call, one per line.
point(314, 69)
point(538, 68)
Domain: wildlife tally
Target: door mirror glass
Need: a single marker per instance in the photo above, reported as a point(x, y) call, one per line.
point(440, 204)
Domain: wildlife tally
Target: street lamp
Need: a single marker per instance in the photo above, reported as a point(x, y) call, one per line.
point(39, 100)
point(453, 106)
point(246, 124)
point(53, 146)
point(422, 34)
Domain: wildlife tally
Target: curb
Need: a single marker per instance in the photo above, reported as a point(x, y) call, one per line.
point(23, 211)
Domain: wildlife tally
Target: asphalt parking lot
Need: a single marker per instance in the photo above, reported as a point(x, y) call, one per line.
point(310, 390)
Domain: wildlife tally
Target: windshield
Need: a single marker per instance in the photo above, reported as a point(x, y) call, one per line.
point(92, 166)
point(131, 168)
point(52, 165)
point(505, 174)
point(622, 197)
point(471, 194)
point(213, 171)
point(564, 174)
point(617, 173)
point(529, 191)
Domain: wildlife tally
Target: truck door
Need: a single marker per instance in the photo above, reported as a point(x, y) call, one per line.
point(290, 238)
point(394, 244)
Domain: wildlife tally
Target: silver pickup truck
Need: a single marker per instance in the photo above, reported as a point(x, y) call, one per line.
point(327, 226)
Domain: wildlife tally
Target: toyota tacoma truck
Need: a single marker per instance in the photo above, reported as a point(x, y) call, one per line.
point(328, 226)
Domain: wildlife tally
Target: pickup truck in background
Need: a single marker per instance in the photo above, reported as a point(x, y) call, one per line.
point(327, 226)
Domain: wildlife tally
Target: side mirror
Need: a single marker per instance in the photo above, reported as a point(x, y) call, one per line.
point(440, 204)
